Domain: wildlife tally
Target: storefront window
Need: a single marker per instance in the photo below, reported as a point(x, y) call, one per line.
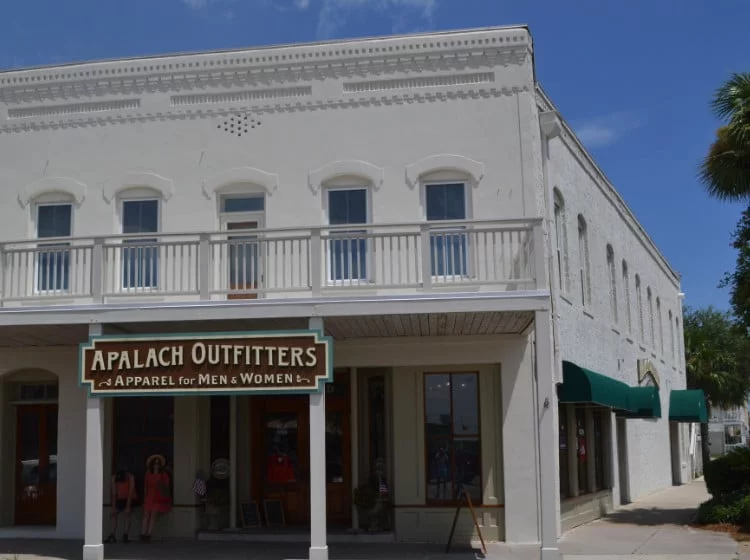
point(599, 450)
point(452, 436)
point(582, 449)
point(143, 426)
point(563, 451)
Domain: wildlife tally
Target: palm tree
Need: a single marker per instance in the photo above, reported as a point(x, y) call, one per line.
point(725, 172)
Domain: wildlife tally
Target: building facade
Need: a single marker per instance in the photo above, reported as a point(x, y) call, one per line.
point(419, 201)
point(727, 429)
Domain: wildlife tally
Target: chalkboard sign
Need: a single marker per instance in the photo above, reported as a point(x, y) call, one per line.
point(274, 513)
point(250, 515)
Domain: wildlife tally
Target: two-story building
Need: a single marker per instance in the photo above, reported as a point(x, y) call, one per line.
point(177, 232)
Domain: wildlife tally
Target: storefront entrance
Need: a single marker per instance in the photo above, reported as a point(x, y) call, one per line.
point(36, 464)
point(280, 432)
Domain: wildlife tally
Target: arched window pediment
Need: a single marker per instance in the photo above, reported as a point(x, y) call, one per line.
point(136, 180)
point(48, 185)
point(445, 162)
point(240, 175)
point(368, 172)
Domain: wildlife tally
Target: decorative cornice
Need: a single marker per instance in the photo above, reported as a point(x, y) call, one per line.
point(73, 108)
point(420, 82)
point(445, 162)
point(268, 181)
point(568, 137)
point(46, 185)
point(211, 112)
point(240, 96)
point(139, 179)
point(357, 168)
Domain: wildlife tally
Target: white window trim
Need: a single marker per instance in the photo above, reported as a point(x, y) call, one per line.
point(137, 194)
point(50, 199)
point(584, 261)
point(446, 178)
point(561, 234)
point(639, 304)
point(341, 184)
point(612, 274)
point(626, 290)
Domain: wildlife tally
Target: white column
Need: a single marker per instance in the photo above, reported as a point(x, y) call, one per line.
point(93, 549)
point(548, 437)
point(354, 423)
point(233, 462)
point(318, 536)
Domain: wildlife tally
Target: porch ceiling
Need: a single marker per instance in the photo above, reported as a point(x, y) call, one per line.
point(429, 324)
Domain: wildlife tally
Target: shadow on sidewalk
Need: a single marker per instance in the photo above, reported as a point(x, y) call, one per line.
point(652, 516)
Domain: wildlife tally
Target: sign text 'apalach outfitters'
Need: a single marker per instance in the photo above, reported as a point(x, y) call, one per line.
point(234, 363)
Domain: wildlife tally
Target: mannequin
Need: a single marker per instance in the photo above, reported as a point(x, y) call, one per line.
point(123, 495)
point(156, 493)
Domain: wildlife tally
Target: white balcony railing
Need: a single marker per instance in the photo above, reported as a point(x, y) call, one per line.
point(275, 263)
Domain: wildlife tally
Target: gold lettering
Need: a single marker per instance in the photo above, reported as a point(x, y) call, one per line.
point(136, 363)
point(237, 354)
point(204, 379)
point(177, 356)
point(163, 360)
point(119, 382)
point(297, 357)
point(151, 359)
point(112, 357)
point(227, 348)
point(198, 353)
point(283, 356)
point(98, 361)
point(312, 358)
point(213, 354)
point(256, 351)
point(269, 351)
point(288, 378)
point(124, 361)
point(268, 380)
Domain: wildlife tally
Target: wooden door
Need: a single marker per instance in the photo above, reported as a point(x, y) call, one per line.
point(281, 455)
point(245, 263)
point(36, 465)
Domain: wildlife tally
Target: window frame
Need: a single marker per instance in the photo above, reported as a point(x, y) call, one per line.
point(561, 234)
point(660, 323)
point(650, 303)
point(612, 273)
point(639, 303)
point(671, 337)
point(478, 436)
point(138, 195)
point(462, 231)
point(626, 289)
point(223, 271)
point(39, 203)
point(584, 262)
point(329, 235)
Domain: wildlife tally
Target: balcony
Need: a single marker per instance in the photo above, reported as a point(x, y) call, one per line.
point(274, 263)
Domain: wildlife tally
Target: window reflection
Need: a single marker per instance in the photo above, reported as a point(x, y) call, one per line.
point(334, 448)
point(281, 448)
point(452, 433)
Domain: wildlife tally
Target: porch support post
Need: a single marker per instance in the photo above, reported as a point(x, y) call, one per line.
point(354, 399)
point(93, 549)
point(233, 462)
point(318, 536)
point(548, 438)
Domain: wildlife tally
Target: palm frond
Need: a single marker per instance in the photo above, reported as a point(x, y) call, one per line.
point(725, 171)
point(733, 96)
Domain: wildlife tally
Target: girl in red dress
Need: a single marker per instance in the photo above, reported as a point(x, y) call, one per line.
point(156, 494)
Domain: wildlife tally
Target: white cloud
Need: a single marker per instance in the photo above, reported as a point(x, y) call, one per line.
point(195, 4)
point(302, 4)
point(403, 13)
point(605, 130)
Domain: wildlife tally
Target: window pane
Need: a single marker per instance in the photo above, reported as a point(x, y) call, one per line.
point(140, 216)
point(334, 448)
point(468, 466)
point(465, 404)
point(437, 404)
point(281, 448)
point(448, 254)
point(243, 204)
point(440, 479)
point(445, 202)
point(348, 256)
point(347, 206)
point(53, 220)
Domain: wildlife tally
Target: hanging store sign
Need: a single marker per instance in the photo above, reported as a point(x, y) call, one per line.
point(211, 363)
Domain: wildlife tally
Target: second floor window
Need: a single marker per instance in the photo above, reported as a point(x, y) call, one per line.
point(347, 248)
point(626, 289)
point(140, 256)
point(612, 282)
point(652, 331)
point(583, 259)
point(53, 258)
point(448, 246)
point(562, 242)
point(639, 303)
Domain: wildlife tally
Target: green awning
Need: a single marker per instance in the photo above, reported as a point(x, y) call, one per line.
point(688, 406)
point(644, 403)
point(581, 385)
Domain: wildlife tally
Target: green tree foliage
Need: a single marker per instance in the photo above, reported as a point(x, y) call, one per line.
point(717, 355)
point(738, 281)
point(725, 171)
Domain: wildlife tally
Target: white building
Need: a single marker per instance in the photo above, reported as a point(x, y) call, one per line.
point(727, 429)
point(419, 200)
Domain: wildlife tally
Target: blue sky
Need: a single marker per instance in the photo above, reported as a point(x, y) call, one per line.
point(634, 78)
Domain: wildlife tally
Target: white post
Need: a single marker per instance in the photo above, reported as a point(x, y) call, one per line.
point(233, 462)
point(548, 438)
point(354, 441)
point(318, 536)
point(93, 549)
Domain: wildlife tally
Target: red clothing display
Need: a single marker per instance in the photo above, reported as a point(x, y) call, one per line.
point(156, 499)
point(280, 469)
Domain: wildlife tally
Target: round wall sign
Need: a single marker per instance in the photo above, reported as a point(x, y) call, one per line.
point(220, 469)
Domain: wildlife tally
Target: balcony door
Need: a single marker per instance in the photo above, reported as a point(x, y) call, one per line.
point(244, 262)
point(36, 464)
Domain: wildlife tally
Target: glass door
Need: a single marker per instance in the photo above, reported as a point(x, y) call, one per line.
point(244, 267)
point(36, 465)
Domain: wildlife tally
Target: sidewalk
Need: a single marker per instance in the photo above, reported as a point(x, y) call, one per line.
point(653, 528)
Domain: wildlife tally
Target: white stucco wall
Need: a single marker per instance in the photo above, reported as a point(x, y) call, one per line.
point(588, 335)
